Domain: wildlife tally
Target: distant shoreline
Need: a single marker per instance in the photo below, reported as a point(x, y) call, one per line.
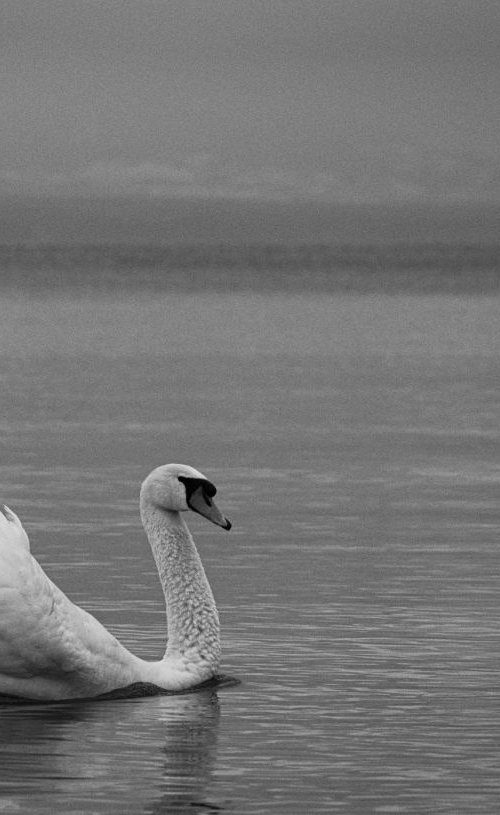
point(393, 268)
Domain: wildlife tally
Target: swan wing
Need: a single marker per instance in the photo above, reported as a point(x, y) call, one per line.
point(49, 647)
point(12, 532)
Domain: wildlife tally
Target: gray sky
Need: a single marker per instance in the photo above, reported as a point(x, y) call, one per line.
point(349, 100)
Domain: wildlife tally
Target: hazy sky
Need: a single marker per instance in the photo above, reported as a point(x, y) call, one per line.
point(357, 100)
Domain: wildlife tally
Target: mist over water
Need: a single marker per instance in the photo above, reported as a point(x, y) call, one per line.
point(351, 428)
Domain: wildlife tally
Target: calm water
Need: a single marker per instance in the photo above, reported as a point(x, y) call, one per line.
point(355, 444)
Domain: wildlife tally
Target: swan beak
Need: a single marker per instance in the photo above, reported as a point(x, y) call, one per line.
point(200, 502)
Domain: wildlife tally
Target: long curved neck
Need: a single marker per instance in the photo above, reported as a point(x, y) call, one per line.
point(192, 619)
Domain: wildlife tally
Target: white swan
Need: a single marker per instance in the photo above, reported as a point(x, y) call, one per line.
point(50, 649)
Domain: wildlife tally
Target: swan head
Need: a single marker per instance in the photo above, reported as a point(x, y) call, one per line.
point(179, 487)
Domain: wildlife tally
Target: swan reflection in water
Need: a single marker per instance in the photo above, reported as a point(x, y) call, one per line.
point(135, 755)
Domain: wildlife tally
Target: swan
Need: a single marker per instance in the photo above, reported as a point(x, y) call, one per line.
point(51, 649)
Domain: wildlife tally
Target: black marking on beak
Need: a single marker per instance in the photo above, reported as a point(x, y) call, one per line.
point(192, 484)
point(199, 494)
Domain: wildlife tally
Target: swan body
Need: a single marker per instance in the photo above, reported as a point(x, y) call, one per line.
point(51, 649)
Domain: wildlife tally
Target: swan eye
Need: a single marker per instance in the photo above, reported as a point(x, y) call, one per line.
point(209, 489)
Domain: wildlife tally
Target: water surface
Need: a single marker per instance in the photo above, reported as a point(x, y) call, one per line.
point(354, 442)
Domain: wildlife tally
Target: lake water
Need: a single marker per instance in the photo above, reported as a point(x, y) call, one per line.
point(355, 444)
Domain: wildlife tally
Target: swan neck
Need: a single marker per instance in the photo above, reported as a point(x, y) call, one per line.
point(192, 619)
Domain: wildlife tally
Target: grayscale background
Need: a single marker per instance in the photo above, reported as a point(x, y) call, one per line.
point(261, 238)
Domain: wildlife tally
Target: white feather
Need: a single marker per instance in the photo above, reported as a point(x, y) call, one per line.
point(12, 528)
